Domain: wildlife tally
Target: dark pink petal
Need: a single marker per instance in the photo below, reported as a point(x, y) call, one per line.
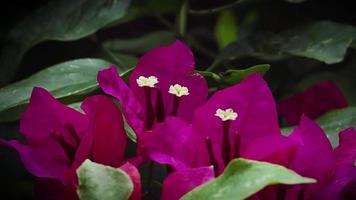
point(256, 109)
point(181, 182)
point(111, 83)
point(107, 129)
point(47, 125)
point(314, 157)
point(175, 143)
point(313, 102)
point(275, 149)
point(346, 151)
point(343, 185)
point(41, 162)
point(173, 64)
point(44, 115)
point(134, 174)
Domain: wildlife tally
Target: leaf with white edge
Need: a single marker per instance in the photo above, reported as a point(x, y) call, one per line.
point(62, 20)
point(226, 29)
point(100, 182)
point(243, 178)
point(69, 79)
point(333, 123)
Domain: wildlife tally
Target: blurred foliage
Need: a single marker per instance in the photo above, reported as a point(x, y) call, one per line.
point(303, 41)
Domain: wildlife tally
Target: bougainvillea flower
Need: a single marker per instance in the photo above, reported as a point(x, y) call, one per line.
point(59, 139)
point(239, 121)
point(162, 84)
point(334, 170)
point(320, 98)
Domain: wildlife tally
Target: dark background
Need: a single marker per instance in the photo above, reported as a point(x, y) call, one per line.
point(274, 16)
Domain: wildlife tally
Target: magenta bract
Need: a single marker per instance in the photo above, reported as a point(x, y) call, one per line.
point(318, 99)
point(59, 139)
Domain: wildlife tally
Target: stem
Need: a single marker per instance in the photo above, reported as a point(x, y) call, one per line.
point(149, 109)
point(215, 10)
point(212, 159)
point(193, 42)
point(159, 107)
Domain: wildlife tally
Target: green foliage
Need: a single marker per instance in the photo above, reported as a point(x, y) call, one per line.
point(325, 41)
point(58, 20)
point(242, 178)
point(226, 29)
point(233, 76)
point(66, 81)
point(333, 122)
point(141, 44)
point(97, 181)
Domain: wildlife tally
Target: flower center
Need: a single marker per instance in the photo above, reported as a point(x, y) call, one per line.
point(212, 159)
point(150, 81)
point(178, 90)
point(226, 115)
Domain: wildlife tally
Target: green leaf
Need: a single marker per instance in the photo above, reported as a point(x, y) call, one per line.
point(62, 20)
point(76, 106)
point(141, 44)
point(182, 18)
point(242, 178)
point(97, 181)
point(68, 79)
point(325, 41)
point(226, 29)
point(333, 122)
point(209, 75)
point(234, 76)
point(129, 131)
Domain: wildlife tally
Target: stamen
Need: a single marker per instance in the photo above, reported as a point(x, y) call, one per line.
point(150, 81)
point(176, 102)
point(301, 193)
point(212, 159)
point(159, 107)
point(149, 109)
point(178, 90)
point(281, 193)
point(225, 148)
point(236, 146)
point(226, 115)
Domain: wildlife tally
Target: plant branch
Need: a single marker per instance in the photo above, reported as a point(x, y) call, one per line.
point(215, 10)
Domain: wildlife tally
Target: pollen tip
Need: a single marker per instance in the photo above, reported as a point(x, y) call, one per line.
point(178, 90)
point(150, 81)
point(227, 114)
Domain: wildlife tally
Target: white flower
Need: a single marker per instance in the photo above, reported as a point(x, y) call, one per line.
point(150, 81)
point(178, 90)
point(227, 114)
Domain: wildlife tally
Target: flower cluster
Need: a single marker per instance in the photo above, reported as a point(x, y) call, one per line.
point(166, 104)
